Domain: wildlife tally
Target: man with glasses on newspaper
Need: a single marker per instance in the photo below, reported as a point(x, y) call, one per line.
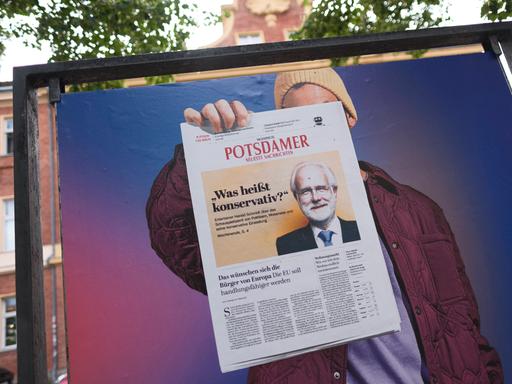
point(440, 340)
point(315, 188)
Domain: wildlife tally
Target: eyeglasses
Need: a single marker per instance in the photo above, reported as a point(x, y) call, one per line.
point(319, 191)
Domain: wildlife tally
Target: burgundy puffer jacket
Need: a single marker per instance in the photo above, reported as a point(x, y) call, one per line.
point(427, 264)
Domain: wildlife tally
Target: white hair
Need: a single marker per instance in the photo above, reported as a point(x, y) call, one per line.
point(331, 178)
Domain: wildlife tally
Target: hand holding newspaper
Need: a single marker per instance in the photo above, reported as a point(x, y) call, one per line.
point(290, 251)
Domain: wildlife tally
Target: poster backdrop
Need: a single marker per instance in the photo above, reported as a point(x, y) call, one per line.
point(442, 126)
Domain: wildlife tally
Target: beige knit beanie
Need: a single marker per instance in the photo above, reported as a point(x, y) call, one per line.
point(324, 77)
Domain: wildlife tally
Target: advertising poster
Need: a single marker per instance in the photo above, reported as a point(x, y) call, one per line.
point(432, 138)
point(278, 286)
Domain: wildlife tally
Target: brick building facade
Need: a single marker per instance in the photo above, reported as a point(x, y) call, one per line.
point(53, 283)
point(260, 21)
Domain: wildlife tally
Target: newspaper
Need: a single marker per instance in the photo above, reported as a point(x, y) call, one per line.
point(290, 252)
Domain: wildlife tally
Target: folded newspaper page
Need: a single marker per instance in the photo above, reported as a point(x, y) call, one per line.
point(290, 252)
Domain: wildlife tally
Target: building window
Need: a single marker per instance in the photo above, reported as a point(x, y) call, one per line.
point(9, 322)
point(8, 225)
point(8, 145)
point(247, 38)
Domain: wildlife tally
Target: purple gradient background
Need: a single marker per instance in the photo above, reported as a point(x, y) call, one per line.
point(440, 125)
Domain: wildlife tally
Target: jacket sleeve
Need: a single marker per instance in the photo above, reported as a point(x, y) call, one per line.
point(171, 223)
point(488, 355)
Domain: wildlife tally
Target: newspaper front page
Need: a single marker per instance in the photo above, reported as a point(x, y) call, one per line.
point(290, 251)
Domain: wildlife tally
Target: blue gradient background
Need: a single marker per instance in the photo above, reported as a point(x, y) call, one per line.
point(442, 126)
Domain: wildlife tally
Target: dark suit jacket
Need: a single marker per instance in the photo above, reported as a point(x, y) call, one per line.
point(303, 239)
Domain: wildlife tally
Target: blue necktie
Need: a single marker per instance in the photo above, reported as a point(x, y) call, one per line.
point(326, 237)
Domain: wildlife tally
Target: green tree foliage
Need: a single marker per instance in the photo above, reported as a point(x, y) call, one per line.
point(9, 10)
point(496, 10)
point(83, 29)
point(330, 18)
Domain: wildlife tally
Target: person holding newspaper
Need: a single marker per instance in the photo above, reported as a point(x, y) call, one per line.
point(440, 341)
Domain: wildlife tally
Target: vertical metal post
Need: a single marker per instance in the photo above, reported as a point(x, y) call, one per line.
point(506, 46)
point(505, 57)
point(53, 267)
point(30, 314)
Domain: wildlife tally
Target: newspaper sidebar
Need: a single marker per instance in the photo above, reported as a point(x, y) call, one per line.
point(290, 251)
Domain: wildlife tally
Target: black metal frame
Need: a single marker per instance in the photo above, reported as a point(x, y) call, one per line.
point(32, 367)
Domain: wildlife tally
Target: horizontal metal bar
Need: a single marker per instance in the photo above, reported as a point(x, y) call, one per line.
point(74, 72)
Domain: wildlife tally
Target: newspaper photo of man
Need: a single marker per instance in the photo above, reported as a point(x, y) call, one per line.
point(315, 188)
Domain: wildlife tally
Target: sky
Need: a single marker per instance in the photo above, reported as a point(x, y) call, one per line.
point(460, 11)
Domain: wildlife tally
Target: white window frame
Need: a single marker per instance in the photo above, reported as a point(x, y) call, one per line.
point(240, 35)
point(6, 220)
point(6, 315)
point(5, 132)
